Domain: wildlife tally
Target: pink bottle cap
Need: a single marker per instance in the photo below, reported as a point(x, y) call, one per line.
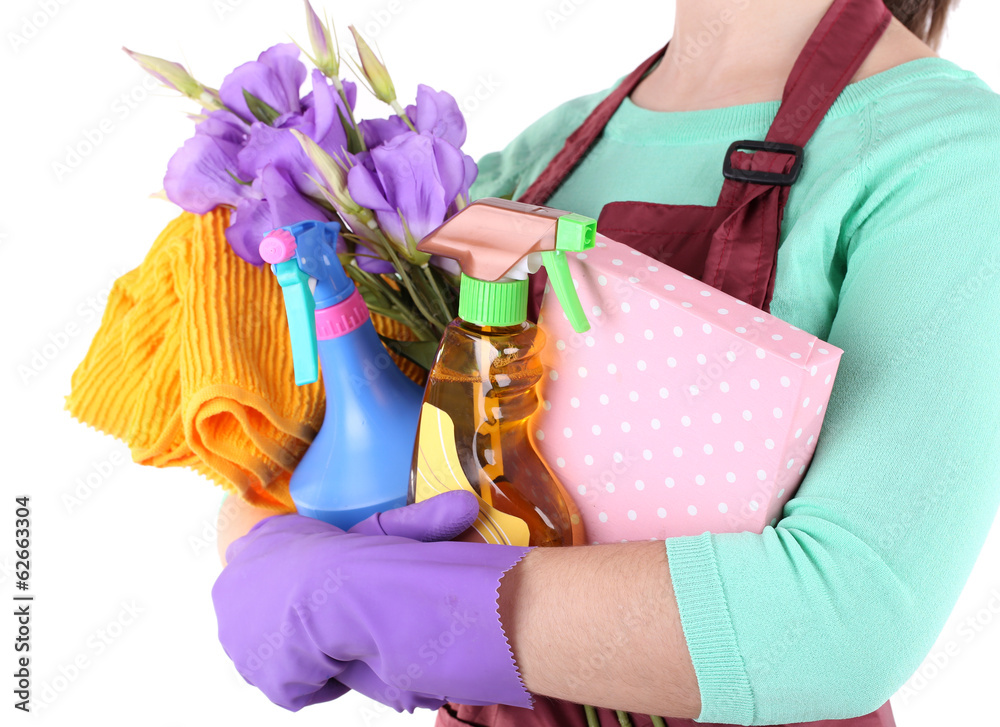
point(278, 246)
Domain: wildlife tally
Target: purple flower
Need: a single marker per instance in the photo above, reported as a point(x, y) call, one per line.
point(414, 175)
point(274, 78)
point(435, 112)
point(366, 258)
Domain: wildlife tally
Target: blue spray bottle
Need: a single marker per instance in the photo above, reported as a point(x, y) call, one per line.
point(359, 462)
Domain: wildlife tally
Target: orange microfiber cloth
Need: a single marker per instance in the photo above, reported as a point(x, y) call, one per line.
point(192, 366)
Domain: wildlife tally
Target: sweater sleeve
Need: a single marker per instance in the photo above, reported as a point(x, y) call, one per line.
point(829, 612)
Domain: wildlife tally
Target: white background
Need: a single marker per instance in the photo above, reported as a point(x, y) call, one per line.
point(143, 538)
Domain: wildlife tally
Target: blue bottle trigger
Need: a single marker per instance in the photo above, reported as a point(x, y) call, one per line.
point(306, 250)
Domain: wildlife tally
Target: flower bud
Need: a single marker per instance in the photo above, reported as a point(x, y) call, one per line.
point(175, 76)
point(374, 70)
point(325, 54)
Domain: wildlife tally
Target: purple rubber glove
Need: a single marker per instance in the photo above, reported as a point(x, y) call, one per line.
point(306, 610)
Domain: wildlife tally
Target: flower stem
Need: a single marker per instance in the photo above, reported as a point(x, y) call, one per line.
point(437, 292)
point(350, 113)
point(401, 113)
point(592, 719)
point(623, 718)
point(657, 721)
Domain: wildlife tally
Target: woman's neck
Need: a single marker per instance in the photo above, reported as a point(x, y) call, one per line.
point(731, 52)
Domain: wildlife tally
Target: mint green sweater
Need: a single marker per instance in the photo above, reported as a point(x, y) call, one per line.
point(890, 250)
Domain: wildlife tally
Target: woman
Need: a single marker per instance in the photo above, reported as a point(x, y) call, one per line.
point(885, 244)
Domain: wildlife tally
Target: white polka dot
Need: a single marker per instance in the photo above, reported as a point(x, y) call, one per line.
point(581, 256)
point(753, 505)
point(609, 486)
point(686, 420)
point(582, 489)
point(740, 329)
point(754, 384)
point(707, 448)
point(635, 252)
point(588, 460)
point(802, 469)
point(776, 337)
point(785, 381)
point(798, 432)
point(738, 445)
point(661, 512)
point(747, 415)
point(827, 379)
point(668, 286)
point(640, 485)
point(596, 310)
point(582, 371)
point(641, 365)
point(730, 356)
point(540, 434)
point(574, 402)
point(633, 396)
point(601, 244)
point(671, 362)
point(822, 350)
point(769, 443)
point(603, 517)
point(678, 451)
point(669, 482)
point(761, 475)
point(723, 311)
point(596, 429)
point(631, 515)
point(654, 304)
point(664, 393)
point(758, 319)
point(604, 399)
point(819, 409)
point(612, 369)
point(589, 340)
point(724, 387)
point(716, 418)
point(706, 293)
point(707, 328)
point(561, 345)
point(626, 427)
point(791, 462)
point(730, 477)
point(686, 304)
point(777, 413)
point(567, 432)
point(616, 261)
point(813, 370)
point(810, 440)
point(805, 402)
point(699, 479)
point(761, 353)
point(795, 354)
point(619, 338)
point(781, 492)
point(553, 374)
point(694, 390)
point(626, 307)
point(723, 507)
point(647, 454)
point(678, 331)
point(601, 280)
point(655, 424)
point(617, 457)
point(652, 268)
point(692, 510)
point(560, 461)
point(648, 335)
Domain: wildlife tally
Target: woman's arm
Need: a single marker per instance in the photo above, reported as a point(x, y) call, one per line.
point(236, 517)
point(599, 625)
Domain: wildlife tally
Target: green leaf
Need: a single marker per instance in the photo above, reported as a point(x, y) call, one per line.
point(261, 110)
point(419, 352)
point(354, 141)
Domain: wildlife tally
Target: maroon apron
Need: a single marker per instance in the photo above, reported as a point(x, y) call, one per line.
point(732, 246)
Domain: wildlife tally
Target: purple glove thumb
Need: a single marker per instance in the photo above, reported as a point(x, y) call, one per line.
point(440, 518)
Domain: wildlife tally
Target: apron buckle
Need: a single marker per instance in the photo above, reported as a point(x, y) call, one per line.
point(753, 176)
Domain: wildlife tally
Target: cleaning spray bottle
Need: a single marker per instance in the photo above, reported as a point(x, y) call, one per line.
point(359, 462)
point(482, 389)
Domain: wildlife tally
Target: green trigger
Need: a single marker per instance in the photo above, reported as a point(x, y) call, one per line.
point(574, 233)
